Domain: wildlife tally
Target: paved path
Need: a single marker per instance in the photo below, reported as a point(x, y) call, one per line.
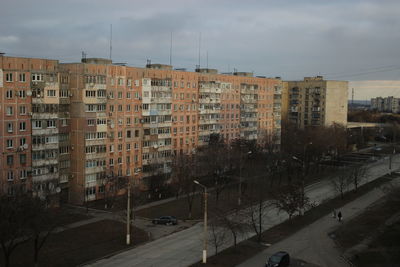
point(312, 243)
point(185, 247)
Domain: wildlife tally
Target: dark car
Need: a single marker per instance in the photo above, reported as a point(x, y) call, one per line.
point(279, 259)
point(167, 220)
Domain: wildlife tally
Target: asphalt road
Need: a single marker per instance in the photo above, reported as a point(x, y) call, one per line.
point(185, 247)
point(312, 243)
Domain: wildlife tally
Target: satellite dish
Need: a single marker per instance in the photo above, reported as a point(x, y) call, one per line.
point(58, 189)
point(25, 146)
point(29, 93)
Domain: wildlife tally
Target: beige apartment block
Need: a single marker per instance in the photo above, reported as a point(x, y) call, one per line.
point(316, 102)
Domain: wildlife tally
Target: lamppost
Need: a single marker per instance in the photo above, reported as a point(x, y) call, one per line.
point(128, 214)
point(205, 222)
point(303, 176)
point(240, 174)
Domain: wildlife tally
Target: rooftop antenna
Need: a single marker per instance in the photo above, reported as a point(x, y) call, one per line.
point(170, 51)
point(83, 55)
point(199, 48)
point(110, 41)
point(207, 59)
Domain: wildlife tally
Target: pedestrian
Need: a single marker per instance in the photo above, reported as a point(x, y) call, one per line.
point(334, 214)
point(339, 215)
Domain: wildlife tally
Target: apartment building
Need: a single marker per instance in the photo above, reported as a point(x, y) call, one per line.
point(34, 128)
point(315, 102)
point(69, 129)
point(386, 104)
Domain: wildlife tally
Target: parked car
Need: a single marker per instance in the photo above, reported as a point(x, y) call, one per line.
point(279, 259)
point(167, 220)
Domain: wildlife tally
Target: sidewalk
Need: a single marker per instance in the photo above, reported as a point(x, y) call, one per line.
point(312, 244)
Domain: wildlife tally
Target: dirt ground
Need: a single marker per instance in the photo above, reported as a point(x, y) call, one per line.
point(78, 245)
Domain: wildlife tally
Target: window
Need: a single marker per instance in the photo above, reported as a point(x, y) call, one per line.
point(91, 122)
point(37, 124)
point(10, 176)
point(9, 143)
point(22, 93)
point(9, 111)
point(23, 174)
point(10, 127)
point(9, 77)
point(22, 158)
point(37, 77)
point(64, 149)
point(22, 141)
point(22, 77)
point(51, 124)
point(119, 95)
point(10, 160)
point(90, 93)
point(22, 126)
point(9, 94)
point(51, 93)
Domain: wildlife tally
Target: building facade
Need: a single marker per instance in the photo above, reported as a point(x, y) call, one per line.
point(315, 102)
point(34, 128)
point(69, 129)
point(386, 104)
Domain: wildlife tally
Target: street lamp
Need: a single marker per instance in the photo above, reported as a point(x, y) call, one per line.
point(128, 214)
point(205, 222)
point(240, 175)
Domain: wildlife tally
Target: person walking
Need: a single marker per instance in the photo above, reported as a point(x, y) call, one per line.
point(334, 214)
point(339, 215)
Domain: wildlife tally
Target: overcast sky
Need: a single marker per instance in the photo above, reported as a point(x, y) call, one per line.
point(340, 39)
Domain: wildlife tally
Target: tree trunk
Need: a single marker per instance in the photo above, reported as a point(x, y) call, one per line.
point(36, 252)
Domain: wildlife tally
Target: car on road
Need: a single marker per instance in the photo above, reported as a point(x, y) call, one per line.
point(167, 220)
point(279, 259)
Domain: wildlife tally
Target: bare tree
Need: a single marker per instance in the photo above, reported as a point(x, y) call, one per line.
point(41, 223)
point(358, 173)
point(215, 159)
point(291, 199)
point(341, 181)
point(218, 234)
point(13, 224)
point(235, 224)
point(184, 172)
point(256, 198)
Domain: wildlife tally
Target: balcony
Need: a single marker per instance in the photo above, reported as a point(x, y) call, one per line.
point(44, 162)
point(36, 147)
point(47, 131)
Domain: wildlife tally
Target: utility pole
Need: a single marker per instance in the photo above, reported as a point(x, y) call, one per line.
point(205, 235)
point(128, 214)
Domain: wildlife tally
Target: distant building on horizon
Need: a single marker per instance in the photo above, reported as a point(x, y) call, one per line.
point(386, 104)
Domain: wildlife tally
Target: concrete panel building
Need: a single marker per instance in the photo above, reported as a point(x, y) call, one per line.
point(68, 129)
point(316, 102)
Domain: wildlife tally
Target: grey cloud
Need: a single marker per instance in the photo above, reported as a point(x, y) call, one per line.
point(275, 38)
